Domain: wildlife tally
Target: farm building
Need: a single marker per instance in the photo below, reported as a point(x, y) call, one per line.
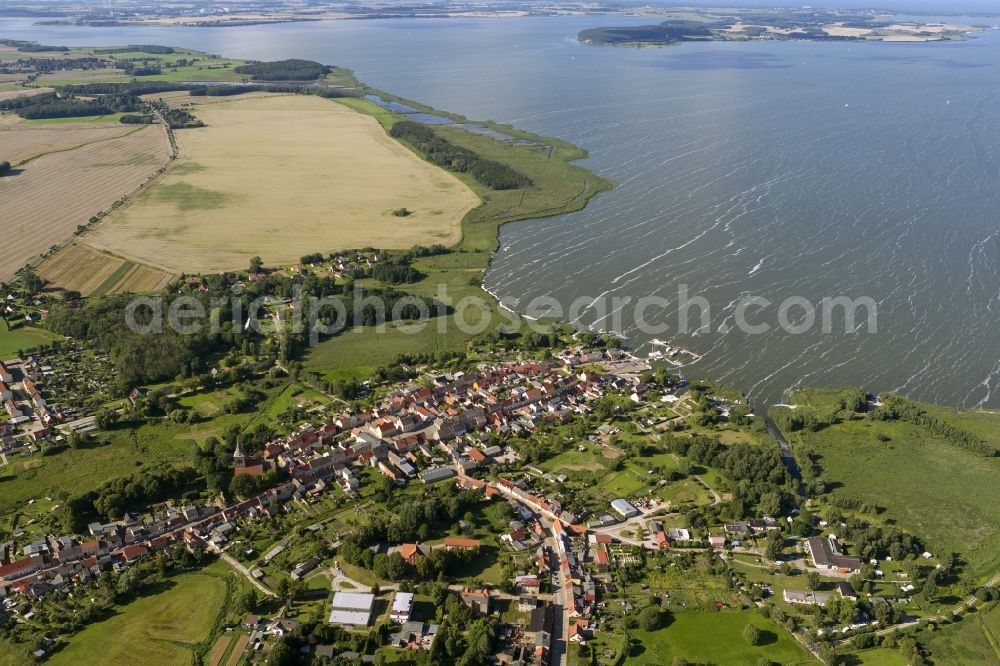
point(436, 474)
point(806, 598)
point(624, 509)
point(352, 608)
point(829, 554)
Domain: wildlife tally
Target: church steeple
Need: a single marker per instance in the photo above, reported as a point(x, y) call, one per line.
point(239, 459)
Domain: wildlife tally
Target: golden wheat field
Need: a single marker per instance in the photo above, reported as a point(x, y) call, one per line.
point(23, 142)
point(45, 201)
point(280, 177)
point(92, 273)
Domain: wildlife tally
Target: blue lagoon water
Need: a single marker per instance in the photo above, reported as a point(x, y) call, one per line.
point(757, 169)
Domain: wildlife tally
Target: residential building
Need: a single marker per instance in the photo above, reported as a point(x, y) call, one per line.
point(477, 600)
point(402, 606)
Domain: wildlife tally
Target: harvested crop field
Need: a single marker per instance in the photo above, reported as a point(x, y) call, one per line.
point(46, 200)
point(219, 650)
point(21, 92)
point(23, 142)
point(238, 649)
point(83, 76)
point(280, 177)
point(93, 273)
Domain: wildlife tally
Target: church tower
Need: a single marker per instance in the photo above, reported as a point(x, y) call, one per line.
point(239, 459)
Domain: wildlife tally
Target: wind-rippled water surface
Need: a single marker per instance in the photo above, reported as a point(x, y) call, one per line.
point(761, 169)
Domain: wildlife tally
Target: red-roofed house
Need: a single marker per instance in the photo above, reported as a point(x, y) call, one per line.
point(459, 543)
point(578, 631)
point(602, 558)
point(21, 568)
point(412, 552)
point(478, 600)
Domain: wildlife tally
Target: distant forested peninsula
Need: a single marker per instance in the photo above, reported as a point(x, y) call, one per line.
point(667, 32)
point(774, 24)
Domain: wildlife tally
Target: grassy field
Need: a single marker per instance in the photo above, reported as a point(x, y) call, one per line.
point(74, 471)
point(182, 65)
point(57, 192)
point(93, 273)
point(716, 638)
point(156, 629)
point(959, 516)
point(974, 640)
point(10, 90)
point(325, 178)
point(879, 657)
point(591, 477)
point(21, 338)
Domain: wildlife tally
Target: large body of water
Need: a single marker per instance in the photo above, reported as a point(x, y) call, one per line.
point(758, 169)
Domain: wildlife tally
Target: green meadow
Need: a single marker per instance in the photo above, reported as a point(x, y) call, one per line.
point(716, 638)
point(156, 629)
point(879, 657)
point(959, 516)
point(22, 338)
point(974, 640)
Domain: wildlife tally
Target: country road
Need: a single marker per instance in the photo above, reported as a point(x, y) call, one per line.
point(235, 564)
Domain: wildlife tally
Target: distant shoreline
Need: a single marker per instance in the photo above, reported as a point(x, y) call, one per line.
point(743, 25)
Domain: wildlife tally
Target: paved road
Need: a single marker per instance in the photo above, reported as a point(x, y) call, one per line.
point(338, 579)
point(560, 629)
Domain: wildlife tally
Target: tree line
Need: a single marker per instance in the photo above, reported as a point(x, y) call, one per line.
point(53, 105)
point(114, 498)
point(48, 65)
point(456, 158)
point(293, 69)
point(138, 48)
point(31, 47)
point(898, 408)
